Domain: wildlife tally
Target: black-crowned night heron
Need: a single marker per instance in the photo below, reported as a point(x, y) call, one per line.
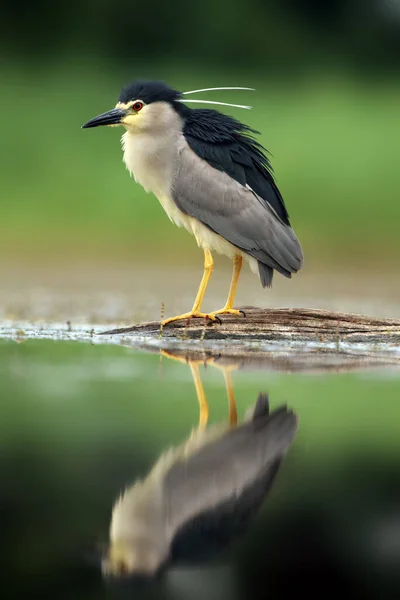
point(199, 495)
point(211, 177)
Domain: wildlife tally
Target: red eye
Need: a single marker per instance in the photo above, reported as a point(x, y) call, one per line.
point(137, 106)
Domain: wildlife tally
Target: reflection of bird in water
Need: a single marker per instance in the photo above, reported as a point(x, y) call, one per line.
point(199, 495)
point(194, 364)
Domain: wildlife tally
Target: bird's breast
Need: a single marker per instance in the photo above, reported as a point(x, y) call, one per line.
point(154, 162)
point(151, 161)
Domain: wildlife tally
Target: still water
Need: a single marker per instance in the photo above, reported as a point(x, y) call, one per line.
point(80, 423)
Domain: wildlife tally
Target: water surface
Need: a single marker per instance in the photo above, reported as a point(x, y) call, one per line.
point(80, 422)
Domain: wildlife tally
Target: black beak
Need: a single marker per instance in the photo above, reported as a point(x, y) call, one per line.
point(111, 117)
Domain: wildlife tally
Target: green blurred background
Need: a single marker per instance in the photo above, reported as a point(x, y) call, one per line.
point(327, 104)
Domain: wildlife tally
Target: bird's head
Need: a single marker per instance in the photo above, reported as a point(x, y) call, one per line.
point(142, 106)
point(130, 558)
point(153, 107)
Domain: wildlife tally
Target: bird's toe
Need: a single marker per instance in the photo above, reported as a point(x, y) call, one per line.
point(229, 311)
point(192, 315)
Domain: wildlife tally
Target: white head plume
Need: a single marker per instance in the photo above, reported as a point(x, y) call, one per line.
point(218, 88)
point(214, 101)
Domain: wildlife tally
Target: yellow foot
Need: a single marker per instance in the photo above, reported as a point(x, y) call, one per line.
point(191, 315)
point(229, 311)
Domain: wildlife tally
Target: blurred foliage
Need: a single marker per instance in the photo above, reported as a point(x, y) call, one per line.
point(270, 33)
point(331, 130)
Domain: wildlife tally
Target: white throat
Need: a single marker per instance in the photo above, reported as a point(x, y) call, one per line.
point(150, 154)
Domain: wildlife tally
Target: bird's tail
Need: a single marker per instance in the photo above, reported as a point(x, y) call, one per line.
point(284, 256)
point(261, 408)
point(281, 423)
point(266, 274)
point(278, 427)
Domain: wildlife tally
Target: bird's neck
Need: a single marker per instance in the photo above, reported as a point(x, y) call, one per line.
point(138, 520)
point(151, 159)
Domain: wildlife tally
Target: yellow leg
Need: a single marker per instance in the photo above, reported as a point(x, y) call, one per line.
point(228, 308)
point(201, 397)
point(194, 367)
point(208, 269)
point(231, 398)
point(227, 370)
point(195, 312)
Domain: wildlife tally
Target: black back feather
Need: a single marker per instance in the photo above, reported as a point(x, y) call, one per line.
point(228, 145)
point(224, 142)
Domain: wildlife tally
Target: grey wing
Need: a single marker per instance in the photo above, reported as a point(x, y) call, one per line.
point(234, 212)
point(224, 469)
